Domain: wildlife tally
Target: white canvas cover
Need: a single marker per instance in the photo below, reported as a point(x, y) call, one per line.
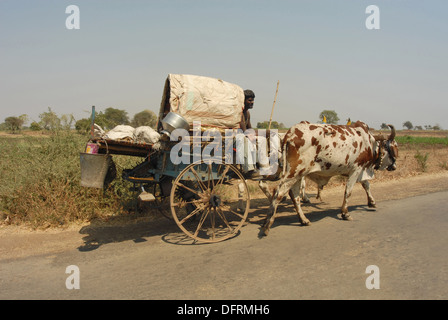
point(213, 102)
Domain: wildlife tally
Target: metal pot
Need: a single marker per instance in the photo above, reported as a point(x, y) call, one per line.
point(173, 121)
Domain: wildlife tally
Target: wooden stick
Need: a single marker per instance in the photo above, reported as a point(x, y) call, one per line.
point(275, 99)
point(92, 122)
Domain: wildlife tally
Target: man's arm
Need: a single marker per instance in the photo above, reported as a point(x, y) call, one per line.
point(243, 123)
point(249, 125)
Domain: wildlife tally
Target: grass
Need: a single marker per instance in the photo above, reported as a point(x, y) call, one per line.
point(40, 182)
point(427, 141)
point(444, 165)
point(422, 160)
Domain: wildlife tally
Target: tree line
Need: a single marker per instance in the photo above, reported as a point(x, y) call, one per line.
point(107, 119)
point(408, 125)
point(111, 117)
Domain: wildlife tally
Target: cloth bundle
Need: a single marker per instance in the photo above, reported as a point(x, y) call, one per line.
point(143, 134)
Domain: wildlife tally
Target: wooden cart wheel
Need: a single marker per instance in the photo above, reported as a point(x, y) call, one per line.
point(203, 204)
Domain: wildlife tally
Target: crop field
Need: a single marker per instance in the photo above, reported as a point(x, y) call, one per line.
point(40, 178)
point(423, 138)
point(428, 141)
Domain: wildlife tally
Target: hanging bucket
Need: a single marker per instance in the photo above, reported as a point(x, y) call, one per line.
point(92, 148)
point(94, 169)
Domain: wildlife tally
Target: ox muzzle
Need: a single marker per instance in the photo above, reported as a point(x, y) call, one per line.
point(392, 156)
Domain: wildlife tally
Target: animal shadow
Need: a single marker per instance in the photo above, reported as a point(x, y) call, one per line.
point(314, 211)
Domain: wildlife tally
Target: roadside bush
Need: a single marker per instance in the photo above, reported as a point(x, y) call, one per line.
point(422, 160)
point(444, 165)
point(40, 182)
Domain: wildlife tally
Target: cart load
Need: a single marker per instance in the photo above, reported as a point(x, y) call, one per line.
point(198, 195)
point(213, 102)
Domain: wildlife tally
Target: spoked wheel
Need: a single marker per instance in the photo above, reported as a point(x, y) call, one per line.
point(202, 203)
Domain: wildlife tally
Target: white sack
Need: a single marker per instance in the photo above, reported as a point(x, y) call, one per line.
point(98, 132)
point(145, 134)
point(121, 132)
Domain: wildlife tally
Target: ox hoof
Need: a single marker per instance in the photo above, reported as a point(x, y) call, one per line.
point(263, 232)
point(372, 205)
point(305, 223)
point(347, 217)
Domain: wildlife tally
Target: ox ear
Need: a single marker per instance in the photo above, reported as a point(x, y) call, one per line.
point(379, 137)
point(392, 134)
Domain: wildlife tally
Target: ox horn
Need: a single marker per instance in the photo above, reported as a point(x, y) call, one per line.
point(392, 134)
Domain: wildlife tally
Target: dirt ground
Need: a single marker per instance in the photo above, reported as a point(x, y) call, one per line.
point(407, 181)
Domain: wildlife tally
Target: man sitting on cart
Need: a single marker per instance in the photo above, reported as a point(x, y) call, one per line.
point(250, 150)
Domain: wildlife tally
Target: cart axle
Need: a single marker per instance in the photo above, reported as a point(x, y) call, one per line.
point(215, 200)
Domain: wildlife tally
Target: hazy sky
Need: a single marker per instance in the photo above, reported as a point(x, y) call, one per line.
point(320, 51)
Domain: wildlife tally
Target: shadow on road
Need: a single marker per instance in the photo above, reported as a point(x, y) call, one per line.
point(314, 211)
point(97, 235)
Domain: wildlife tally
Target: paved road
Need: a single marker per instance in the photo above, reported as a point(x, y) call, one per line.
point(406, 239)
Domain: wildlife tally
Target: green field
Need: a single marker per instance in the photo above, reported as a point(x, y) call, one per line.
point(417, 140)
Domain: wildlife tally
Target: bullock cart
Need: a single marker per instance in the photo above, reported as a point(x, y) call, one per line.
point(199, 192)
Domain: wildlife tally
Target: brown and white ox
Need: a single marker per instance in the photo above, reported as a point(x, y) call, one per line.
point(321, 151)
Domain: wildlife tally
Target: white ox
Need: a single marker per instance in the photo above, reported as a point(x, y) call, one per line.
point(298, 190)
point(321, 151)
